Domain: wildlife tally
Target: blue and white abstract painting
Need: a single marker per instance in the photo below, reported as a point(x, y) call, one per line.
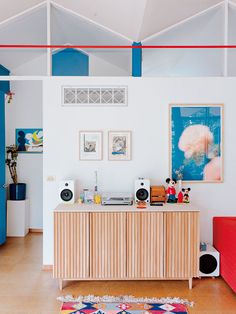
point(29, 140)
point(196, 142)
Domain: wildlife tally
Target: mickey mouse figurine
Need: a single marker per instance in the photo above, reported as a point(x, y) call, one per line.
point(171, 191)
point(183, 196)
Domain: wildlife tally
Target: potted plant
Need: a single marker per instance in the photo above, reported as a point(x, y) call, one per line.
point(17, 191)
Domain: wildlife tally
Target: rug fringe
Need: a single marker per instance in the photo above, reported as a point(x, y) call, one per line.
point(124, 298)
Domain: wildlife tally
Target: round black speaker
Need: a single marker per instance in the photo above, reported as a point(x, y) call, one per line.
point(142, 194)
point(66, 195)
point(208, 264)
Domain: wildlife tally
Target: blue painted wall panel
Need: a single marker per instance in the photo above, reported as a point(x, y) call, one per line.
point(2, 170)
point(70, 62)
point(4, 85)
point(137, 60)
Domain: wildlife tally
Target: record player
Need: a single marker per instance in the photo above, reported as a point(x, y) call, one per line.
point(117, 199)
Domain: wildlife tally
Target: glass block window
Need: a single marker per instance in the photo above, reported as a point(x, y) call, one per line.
point(107, 96)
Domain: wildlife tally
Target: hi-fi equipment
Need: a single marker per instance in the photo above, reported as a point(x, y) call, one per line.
point(67, 191)
point(142, 190)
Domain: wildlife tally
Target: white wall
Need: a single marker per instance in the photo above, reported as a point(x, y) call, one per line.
point(25, 111)
point(101, 65)
point(147, 117)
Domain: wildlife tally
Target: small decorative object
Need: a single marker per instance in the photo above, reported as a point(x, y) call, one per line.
point(196, 142)
point(119, 145)
point(9, 96)
point(17, 190)
point(183, 196)
point(158, 194)
point(171, 191)
point(90, 145)
point(186, 195)
point(97, 198)
point(88, 196)
point(81, 198)
point(29, 140)
point(141, 204)
point(203, 246)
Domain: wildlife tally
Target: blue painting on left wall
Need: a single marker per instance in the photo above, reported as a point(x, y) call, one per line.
point(29, 140)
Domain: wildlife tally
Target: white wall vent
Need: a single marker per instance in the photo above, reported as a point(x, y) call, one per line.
point(95, 96)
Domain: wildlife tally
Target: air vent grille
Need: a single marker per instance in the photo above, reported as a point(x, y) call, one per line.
point(112, 96)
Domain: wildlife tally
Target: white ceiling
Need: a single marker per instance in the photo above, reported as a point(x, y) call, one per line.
point(204, 30)
point(9, 8)
point(86, 22)
point(29, 28)
point(134, 19)
point(137, 19)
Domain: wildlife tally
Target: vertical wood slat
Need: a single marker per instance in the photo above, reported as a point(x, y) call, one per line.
point(108, 245)
point(71, 245)
point(182, 244)
point(145, 245)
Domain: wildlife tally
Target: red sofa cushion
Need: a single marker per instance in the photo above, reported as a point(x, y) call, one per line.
point(224, 240)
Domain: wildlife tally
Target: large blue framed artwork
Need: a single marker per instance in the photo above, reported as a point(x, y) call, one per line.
point(29, 140)
point(196, 143)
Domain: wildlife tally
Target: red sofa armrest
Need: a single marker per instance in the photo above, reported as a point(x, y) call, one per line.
point(224, 240)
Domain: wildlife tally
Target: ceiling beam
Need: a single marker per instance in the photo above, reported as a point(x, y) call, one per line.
point(59, 6)
point(49, 50)
point(183, 22)
point(25, 12)
point(226, 36)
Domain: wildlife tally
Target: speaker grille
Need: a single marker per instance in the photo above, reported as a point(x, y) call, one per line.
point(142, 194)
point(208, 264)
point(66, 195)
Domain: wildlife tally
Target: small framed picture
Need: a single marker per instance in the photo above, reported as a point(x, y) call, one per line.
point(90, 145)
point(119, 145)
point(29, 140)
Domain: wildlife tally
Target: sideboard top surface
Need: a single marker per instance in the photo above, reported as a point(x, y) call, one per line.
point(126, 208)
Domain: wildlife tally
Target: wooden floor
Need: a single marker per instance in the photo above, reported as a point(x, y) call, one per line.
point(26, 289)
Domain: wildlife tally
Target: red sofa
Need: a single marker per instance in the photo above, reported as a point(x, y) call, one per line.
point(224, 240)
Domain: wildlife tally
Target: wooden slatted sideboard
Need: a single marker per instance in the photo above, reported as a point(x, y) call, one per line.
point(93, 242)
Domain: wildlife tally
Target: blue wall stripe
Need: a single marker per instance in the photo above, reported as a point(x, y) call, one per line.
point(70, 62)
point(4, 85)
point(2, 170)
point(137, 60)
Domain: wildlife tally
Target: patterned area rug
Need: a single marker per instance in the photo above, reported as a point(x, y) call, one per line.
point(122, 308)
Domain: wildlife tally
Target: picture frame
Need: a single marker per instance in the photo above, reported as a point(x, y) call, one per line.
point(29, 140)
point(196, 142)
point(119, 145)
point(90, 145)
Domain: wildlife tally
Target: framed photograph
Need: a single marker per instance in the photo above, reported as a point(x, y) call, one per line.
point(29, 140)
point(90, 145)
point(196, 143)
point(119, 145)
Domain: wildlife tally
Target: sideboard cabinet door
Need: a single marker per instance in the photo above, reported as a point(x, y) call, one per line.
point(71, 245)
point(145, 245)
point(108, 245)
point(181, 244)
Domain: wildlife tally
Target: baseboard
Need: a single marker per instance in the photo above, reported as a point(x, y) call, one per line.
point(34, 230)
point(47, 267)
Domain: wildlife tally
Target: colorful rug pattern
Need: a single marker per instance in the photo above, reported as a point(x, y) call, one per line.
point(122, 308)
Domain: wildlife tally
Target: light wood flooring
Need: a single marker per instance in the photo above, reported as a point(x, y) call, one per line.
point(26, 289)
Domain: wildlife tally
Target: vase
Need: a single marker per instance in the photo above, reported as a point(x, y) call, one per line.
point(17, 191)
point(180, 185)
